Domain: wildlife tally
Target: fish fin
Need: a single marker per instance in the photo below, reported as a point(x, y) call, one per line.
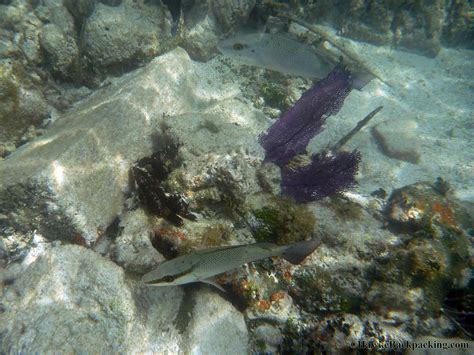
point(296, 253)
point(213, 283)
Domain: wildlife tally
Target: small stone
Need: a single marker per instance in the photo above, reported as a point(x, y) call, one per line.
point(398, 140)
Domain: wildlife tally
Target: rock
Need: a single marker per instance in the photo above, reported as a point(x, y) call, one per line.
point(416, 27)
point(398, 140)
point(80, 9)
point(422, 206)
point(270, 336)
point(54, 12)
point(28, 37)
point(205, 22)
point(7, 48)
point(74, 300)
point(61, 49)
point(201, 36)
point(132, 249)
point(215, 326)
point(10, 15)
point(231, 14)
point(111, 2)
point(14, 246)
point(72, 181)
point(125, 35)
point(457, 26)
point(21, 104)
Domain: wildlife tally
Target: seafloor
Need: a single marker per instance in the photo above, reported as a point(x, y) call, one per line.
point(126, 139)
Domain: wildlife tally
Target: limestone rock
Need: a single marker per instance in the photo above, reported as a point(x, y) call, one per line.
point(60, 48)
point(132, 249)
point(215, 324)
point(125, 34)
point(201, 35)
point(21, 105)
point(74, 177)
point(230, 13)
point(54, 12)
point(72, 299)
point(416, 26)
point(398, 140)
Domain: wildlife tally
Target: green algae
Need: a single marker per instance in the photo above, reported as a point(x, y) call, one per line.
point(283, 222)
point(275, 96)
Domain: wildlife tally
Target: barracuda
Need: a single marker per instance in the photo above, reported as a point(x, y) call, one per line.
point(200, 265)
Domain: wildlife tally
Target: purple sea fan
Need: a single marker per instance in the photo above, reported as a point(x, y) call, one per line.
point(292, 132)
point(326, 175)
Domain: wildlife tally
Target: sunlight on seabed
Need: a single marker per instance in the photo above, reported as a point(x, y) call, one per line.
point(41, 142)
point(58, 174)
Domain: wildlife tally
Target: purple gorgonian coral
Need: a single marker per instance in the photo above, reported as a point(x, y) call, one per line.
point(290, 135)
point(327, 173)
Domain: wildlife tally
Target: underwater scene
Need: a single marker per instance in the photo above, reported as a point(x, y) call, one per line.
point(237, 176)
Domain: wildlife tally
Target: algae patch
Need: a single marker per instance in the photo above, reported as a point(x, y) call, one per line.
point(283, 222)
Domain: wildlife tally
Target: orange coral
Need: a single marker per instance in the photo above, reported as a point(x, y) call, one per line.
point(277, 296)
point(287, 275)
point(444, 214)
point(264, 305)
point(168, 232)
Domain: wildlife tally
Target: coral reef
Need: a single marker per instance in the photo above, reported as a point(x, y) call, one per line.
point(421, 206)
point(376, 276)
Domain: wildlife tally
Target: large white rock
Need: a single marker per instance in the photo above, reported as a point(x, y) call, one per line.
point(73, 178)
point(74, 300)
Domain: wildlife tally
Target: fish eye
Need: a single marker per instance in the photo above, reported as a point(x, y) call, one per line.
point(238, 46)
point(168, 278)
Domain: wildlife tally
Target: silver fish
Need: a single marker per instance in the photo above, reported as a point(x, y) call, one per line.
point(285, 55)
point(203, 264)
point(275, 52)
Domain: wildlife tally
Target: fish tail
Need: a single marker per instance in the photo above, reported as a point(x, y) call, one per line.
point(297, 252)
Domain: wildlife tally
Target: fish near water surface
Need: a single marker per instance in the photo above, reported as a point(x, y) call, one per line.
point(203, 264)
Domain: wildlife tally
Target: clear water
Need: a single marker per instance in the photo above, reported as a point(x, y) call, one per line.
point(136, 131)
